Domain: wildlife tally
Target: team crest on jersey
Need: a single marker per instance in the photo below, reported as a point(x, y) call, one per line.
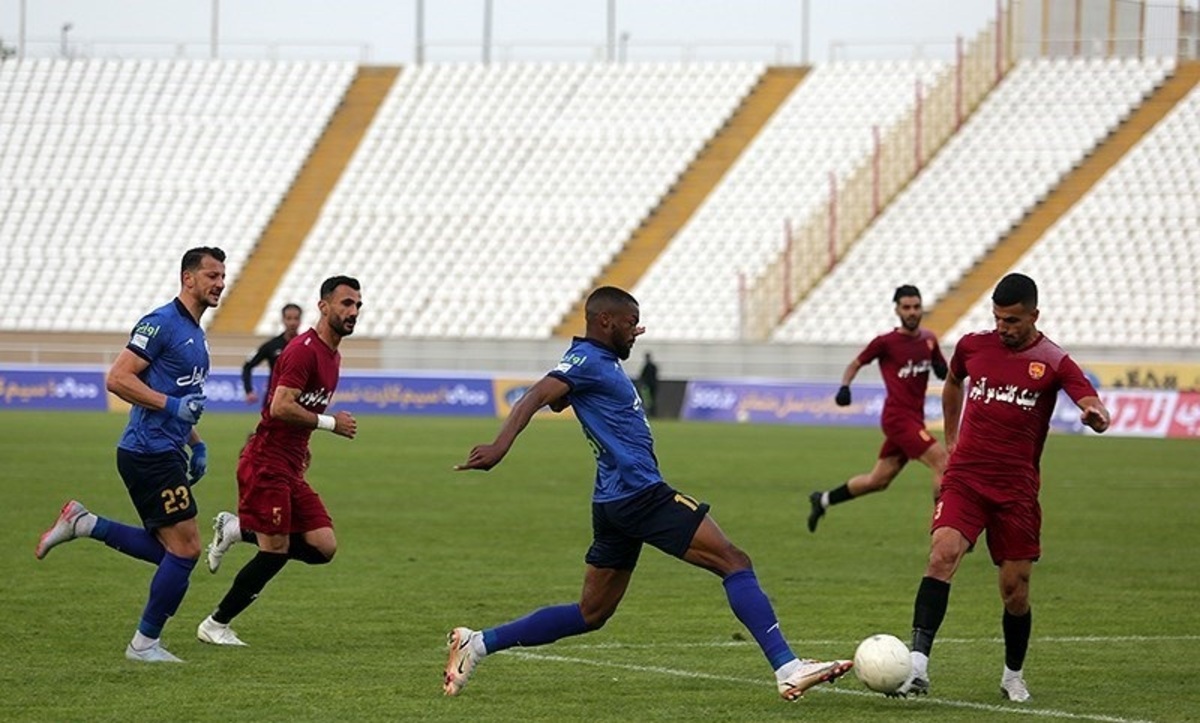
point(1037, 370)
point(929, 344)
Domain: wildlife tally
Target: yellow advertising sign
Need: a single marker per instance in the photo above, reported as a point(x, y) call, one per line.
point(508, 391)
point(1178, 376)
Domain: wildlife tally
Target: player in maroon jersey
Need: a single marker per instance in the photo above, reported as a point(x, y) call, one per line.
point(274, 500)
point(906, 355)
point(993, 476)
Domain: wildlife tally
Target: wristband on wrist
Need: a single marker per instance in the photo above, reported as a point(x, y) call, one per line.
point(326, 422)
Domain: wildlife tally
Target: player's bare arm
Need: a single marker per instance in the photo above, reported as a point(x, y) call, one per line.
point(123, 380)
point(285, 406)
point(1094, 414)
point(548, 391)
point(952, 401)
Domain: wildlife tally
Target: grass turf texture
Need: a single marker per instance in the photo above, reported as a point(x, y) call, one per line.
point(422, 549)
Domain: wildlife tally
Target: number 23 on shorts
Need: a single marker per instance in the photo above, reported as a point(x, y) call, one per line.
point(176, 500)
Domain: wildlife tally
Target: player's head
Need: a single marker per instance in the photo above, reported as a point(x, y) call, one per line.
point(291, 314)
point(340, 303)
point(908, 306)
point(202, 275)
point(1014, 306)
point(612, 318)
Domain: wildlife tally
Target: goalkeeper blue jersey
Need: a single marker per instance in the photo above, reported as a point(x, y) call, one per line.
point(608, 406)
point(175, 345)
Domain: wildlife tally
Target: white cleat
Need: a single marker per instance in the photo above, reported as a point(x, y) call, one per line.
point(63, 529)
point(226, 531)
point(917, 684)
point(210, 631)
point(1013, 688)
point(810, 673)
point(154, 654)
point(462, 660)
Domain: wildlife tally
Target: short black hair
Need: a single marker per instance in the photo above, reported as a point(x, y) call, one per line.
point(192, 258)
point(333, 282)
point(906, 290)
point(607, 298)
point(287, 307)
point(1016, 289)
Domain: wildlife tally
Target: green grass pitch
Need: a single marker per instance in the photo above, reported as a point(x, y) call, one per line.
point(422, 549)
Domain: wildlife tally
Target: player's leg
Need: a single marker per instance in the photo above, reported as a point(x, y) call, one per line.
point(1017, 624)
point(681, 526)
point(1014, 541)
point(958, 518)
point(891, 460)
point(265, 507)
point(610, 563)
point(316, 544)
point(75, 521)
point(227, 528)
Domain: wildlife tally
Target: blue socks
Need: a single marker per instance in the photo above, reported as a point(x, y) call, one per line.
point(167, 589)
point(537, 628)
point(133, 541)
point(751, 606)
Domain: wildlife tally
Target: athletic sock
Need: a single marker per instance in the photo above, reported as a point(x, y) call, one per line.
point(837, 495)
point(1016, 638)
point(537, 628)
point(250, 581)
point(137, 542)
point(167, 588)
point(299, 549)
point(751, 606)
point(929, 610)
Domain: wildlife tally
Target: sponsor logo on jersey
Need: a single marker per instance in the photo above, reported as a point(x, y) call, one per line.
point(318, 398)
point(1008, 393)
point(913, 368)
point(147, 329)
point(140, 340)
point(197, 376)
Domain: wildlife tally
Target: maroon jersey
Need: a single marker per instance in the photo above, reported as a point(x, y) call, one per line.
point(307, 364)
point(904, 362)
point(1010, 398)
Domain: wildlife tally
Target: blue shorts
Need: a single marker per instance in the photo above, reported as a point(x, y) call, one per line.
point(657, 515)
point(158, 486)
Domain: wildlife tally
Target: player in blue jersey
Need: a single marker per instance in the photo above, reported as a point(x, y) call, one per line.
point(631, 505)
point(161, 373)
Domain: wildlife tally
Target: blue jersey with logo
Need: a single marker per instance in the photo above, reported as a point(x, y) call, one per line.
point(175, 345)
point(610, 410)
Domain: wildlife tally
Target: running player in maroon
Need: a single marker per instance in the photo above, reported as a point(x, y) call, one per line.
point(274, 499)
point(992, 480)
point(906, 355)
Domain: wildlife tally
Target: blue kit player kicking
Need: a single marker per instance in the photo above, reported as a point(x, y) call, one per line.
point(631, 505)
point(161, 372)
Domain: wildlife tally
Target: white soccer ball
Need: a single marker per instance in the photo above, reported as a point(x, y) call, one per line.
point(882, 663)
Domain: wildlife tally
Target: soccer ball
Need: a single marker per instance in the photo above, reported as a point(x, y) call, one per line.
point(882, 663)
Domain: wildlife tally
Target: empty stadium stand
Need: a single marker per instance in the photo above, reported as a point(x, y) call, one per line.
point(109, 169)
point(1042, 120)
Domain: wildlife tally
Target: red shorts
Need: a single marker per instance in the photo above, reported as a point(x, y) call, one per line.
point(1012, 518)
point(274, 500)
point(906, 439)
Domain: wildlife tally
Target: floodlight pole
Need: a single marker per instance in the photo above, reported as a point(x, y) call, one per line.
point(21, 32)
point(805, 30)
point(487, 32)
point(215, 29)
point(420, 30)
point(611, 45)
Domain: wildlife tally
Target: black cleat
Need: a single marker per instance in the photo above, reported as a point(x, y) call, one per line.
point(818, 511)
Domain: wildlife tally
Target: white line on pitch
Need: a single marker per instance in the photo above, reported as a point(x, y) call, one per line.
point(1037, 712)
point(940, 641)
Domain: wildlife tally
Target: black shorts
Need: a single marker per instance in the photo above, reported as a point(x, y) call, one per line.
point(657, 515)
point(158, 485)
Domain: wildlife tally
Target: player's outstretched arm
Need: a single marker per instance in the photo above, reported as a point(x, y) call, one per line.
point(1094, 414)
point(285, 406)
point(548, 391)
